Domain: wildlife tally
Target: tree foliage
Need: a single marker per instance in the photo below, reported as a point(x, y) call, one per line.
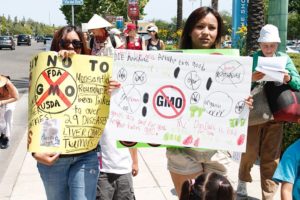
point(82, 14)
point(23, 26)
point(294, 6)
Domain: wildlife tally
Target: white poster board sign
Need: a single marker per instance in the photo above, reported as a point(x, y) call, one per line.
point(181, 99)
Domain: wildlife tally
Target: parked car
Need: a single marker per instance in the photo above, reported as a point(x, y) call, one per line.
point(23, 39)
point(291, 50)
point(39, 38)
point(226, 44)
point(48, 38)
point(7, 42)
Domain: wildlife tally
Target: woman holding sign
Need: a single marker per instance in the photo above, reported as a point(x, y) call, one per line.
point(202, 30)
point(70, 176)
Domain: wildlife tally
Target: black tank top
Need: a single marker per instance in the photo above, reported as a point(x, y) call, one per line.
point(151, 47)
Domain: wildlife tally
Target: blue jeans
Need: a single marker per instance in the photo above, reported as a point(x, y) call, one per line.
point(71, 178)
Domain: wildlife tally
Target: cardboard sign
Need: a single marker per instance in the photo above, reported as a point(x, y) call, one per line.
point(181, 99)
point(68, 104)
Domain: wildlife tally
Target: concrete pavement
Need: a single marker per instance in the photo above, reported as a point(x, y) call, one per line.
point(153, 181)
point(21, 180)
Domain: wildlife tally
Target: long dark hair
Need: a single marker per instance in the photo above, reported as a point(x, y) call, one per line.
point(207, 186)
point(195, 16)
point(62, 32)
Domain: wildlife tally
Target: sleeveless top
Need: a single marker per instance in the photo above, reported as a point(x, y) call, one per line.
point(135, 45)
point(151, 47)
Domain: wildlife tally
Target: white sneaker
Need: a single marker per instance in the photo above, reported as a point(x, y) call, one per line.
point(242, 189)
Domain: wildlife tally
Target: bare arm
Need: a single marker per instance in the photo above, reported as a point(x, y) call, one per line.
point(134, 157)
point(286, 191)
point(13, 94)
point(162, 45)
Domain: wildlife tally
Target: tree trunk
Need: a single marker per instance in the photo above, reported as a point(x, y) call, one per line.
point(255, 23)
point(179, 14)
point(215, 4)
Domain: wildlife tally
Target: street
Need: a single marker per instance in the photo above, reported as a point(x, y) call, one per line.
point(16, 65)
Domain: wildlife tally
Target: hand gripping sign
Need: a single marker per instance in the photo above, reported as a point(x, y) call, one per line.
point(68, 103)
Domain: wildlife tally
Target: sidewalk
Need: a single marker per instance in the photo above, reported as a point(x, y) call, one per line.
point(152, 183)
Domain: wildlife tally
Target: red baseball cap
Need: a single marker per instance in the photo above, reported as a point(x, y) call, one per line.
point(130, 27)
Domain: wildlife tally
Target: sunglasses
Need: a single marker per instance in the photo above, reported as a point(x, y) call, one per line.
point(66, 43)
point(151, 31)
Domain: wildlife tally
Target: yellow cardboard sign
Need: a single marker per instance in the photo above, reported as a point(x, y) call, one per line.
point(68, 103)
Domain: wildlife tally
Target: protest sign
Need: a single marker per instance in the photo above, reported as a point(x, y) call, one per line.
point(68, 105)
point(181, 99)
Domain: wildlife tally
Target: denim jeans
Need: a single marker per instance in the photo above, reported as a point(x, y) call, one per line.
point(71, 178)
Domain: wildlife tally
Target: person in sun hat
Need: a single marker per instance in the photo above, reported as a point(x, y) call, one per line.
point(8, 95)
point(264, 140)
point(133, 40)
point(101, 42)
point(154, 43)
point(117, 166)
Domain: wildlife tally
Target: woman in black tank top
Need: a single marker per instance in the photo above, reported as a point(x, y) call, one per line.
point(154, 43)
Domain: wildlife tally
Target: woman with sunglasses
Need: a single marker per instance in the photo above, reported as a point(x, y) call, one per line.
point(69, 177)
point(154, 43)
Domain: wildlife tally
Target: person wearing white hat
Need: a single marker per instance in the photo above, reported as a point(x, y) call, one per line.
point(154, 43)
point(8, 95)
point(264, 140)
point(101, 44)
point(117, 166)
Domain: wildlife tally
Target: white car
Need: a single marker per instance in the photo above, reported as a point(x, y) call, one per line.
point(290, 50)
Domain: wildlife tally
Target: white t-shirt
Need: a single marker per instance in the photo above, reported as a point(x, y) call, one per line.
point(112, 159)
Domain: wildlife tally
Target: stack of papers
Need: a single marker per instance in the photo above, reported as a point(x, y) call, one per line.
point(272, 67)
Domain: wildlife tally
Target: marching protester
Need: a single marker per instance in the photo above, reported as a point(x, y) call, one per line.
point(154, 43)
point(133, 40)
point(69, 176)
point(102, 43)
point(202, 30)
point(8, 95)
point(117, 166)
point(264, 140)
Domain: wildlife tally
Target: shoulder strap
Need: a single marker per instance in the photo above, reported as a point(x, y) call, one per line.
point(113, 40)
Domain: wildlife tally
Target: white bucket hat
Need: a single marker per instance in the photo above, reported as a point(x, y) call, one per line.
point(97, 22)
point(269, 33)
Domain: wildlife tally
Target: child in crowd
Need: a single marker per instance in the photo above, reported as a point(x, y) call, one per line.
point(288, 172)
point(207, 186)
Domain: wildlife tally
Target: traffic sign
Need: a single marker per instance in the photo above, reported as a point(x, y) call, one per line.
point(72, 2)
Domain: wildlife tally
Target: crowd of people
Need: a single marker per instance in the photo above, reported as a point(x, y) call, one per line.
point(105, 173)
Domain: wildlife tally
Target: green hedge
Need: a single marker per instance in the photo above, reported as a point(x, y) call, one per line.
point(291, 130)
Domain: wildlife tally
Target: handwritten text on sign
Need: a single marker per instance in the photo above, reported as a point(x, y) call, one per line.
point(181, 99)
point(68, 105)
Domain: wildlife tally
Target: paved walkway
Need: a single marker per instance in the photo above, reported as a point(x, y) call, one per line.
point(153, 181)
point(21, 180)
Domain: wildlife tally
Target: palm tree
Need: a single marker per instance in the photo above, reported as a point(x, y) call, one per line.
point(215, 4)
point(179, 14)
point(255, 23)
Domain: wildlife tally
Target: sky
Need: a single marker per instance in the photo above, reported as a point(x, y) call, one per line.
point(47, 11)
